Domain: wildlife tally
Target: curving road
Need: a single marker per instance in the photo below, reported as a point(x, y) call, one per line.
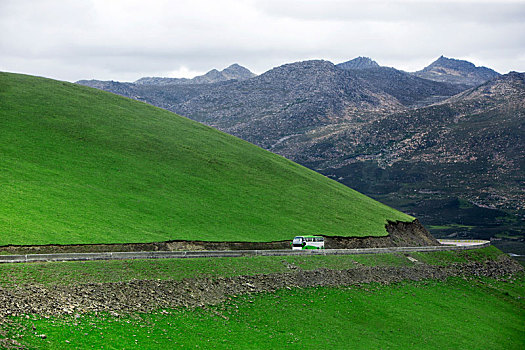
point(445, 245)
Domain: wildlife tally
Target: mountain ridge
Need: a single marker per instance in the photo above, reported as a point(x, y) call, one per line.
point(232, 72)
point(301, 95)
point(456, 71)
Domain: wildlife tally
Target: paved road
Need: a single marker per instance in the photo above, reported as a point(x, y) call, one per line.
point(228, 253)
point(463, 242)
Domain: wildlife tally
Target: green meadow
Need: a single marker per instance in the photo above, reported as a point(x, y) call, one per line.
point(81, 166)
point(453, 314)
point(456, 313)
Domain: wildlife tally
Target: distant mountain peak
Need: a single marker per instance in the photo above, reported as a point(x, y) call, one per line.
point(235, 66)
point(232, 72)
point(359, 63)
point(446, 62)
point(238, 72)
point(451, 70)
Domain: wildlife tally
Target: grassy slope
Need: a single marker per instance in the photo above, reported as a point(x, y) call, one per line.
point(451, 314)
point(84, 166)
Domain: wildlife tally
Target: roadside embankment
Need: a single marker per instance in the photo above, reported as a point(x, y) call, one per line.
point(400, 234)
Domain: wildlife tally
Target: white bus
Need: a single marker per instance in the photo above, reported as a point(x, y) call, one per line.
point(307, 242)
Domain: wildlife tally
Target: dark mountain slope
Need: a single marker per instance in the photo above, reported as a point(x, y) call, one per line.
point(410, 90)
point(469, 148)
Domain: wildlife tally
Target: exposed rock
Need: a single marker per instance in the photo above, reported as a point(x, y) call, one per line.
point(401, 234)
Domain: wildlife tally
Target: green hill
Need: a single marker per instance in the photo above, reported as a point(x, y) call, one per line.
point(80, 165)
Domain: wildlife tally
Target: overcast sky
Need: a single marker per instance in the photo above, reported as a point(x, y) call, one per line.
point(128, 39)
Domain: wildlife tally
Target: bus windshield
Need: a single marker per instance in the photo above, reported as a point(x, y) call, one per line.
point(298, 240)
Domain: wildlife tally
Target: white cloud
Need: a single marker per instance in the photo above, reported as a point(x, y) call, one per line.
point(183, 72)
point(125, 40)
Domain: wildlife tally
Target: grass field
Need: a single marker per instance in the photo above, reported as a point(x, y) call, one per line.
point(456, 313)
point(84, 166)
point(451, 314)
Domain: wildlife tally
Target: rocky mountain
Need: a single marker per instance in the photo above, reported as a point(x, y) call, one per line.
point(456, 72)
point(289, 100)
point(409, 90)
point(359, 63)
point(233, 72)
point(461, 159)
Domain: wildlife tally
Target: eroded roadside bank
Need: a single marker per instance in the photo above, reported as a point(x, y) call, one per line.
point(400, 234)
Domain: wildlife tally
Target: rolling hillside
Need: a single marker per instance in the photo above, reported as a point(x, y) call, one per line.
point(85, 166)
